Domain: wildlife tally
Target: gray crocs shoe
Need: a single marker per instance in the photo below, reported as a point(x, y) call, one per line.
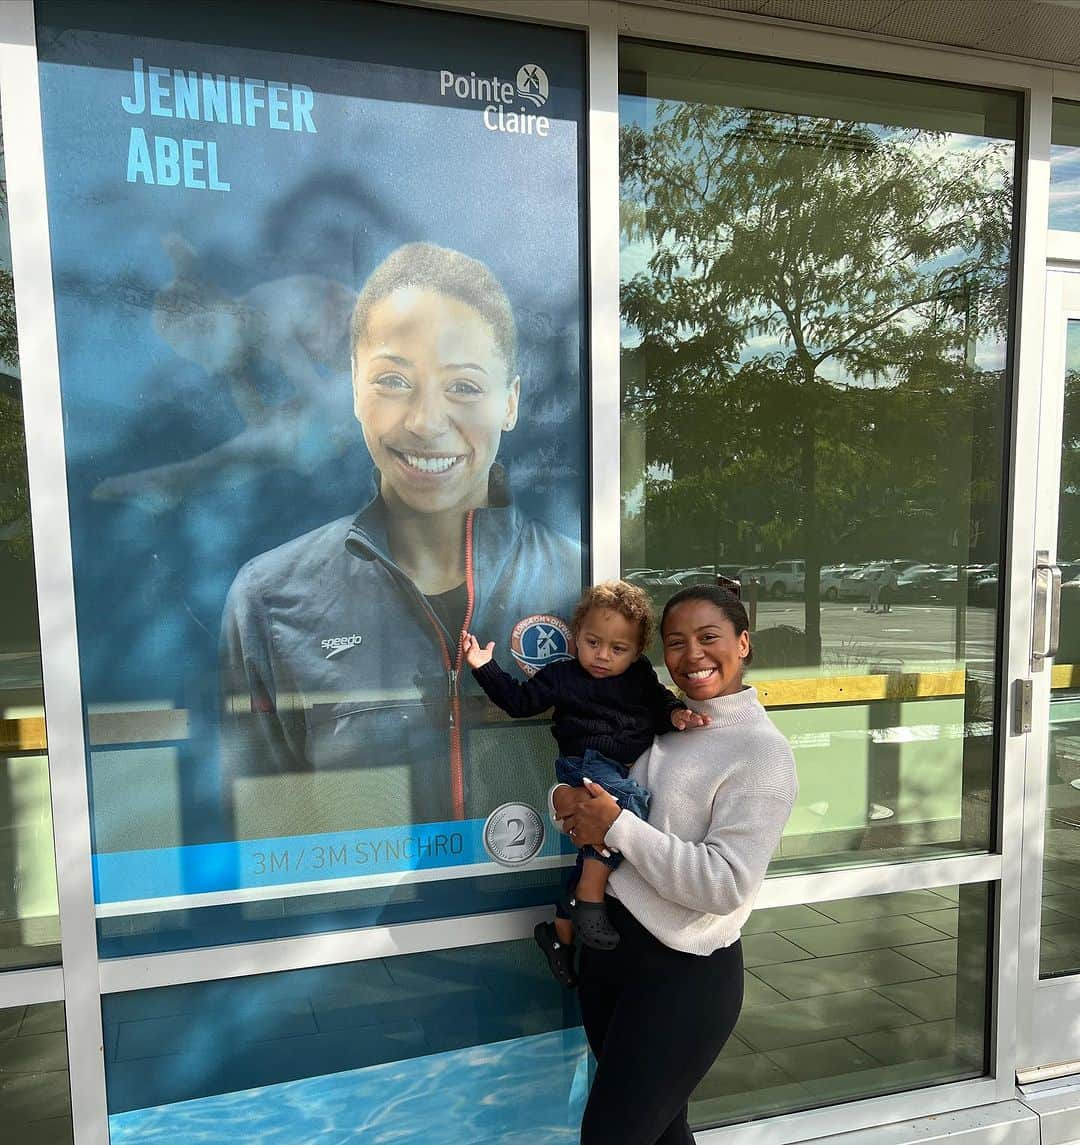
point(592, 925)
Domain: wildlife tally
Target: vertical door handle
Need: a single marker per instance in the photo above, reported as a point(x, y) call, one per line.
point(1044, 644)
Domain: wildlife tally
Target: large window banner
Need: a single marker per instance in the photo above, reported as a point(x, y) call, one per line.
point(319, 289)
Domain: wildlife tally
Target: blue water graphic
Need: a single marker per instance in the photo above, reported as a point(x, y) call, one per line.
point(517, 1092)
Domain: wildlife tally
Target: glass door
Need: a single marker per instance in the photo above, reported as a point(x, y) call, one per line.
point(1050, 910)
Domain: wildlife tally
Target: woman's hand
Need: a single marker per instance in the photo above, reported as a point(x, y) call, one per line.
point(566, 799)
point(475, 656)
point(682, 719)
point(591, 819)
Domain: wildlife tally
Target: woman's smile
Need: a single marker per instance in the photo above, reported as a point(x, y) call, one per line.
point(427, 464)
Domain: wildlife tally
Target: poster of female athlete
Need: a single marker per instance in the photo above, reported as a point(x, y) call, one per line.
point(319, 289)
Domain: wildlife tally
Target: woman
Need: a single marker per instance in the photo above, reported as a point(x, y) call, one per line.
point(660, 1006)
point(342, 649)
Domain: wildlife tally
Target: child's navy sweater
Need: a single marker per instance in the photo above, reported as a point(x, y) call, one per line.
point(615, 715)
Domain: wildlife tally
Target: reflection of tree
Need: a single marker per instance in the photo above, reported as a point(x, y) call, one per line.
point(786, 252)
point(14, 494)
point(1069, 507)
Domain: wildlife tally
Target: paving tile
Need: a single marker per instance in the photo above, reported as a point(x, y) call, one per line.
point(737, 1105)
point(784, 918)
point(734, 1047)
point(939, 956)
point(871, 934)
point(741, 1075)
point(1067, 903)
point(912, 1043)
point(842, 972)
point(1066, 875)
point(763, 949)
point(47, 1018)
point(1048, 917)
point(37, 1053)
point(932, 999)
point(757, 993)
point(950, 893)
point(832, 1058)
point(878, 906)
point(821, 1018)
point(947, 920)
point(53, 1131)
point(32, 1096)
point(159, 1037)
point(10, 1021)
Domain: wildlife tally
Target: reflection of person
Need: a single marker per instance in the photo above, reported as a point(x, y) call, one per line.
point(720, 799)
point(875, 591)
point(607, 706)
point(889, 581)
point(342, 648)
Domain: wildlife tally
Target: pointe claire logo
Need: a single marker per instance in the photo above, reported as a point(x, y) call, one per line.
point(540, 640)
point(506, 103)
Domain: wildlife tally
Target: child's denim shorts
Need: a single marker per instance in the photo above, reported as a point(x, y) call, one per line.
point(613, 777)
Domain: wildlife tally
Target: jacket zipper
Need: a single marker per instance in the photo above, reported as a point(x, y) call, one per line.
point(453, 671)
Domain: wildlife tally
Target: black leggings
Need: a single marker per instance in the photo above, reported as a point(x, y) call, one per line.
point(656, 1019)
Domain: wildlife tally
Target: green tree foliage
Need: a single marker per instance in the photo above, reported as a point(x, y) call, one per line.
point(801, 364)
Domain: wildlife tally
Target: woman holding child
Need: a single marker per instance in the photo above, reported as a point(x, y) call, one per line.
point(659, 1006)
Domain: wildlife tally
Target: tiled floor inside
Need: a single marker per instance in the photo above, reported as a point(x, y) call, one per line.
point(850, 998)
point(35, 1105)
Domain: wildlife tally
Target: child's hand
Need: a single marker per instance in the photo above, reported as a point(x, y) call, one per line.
point(475, 656)
point(684, 718)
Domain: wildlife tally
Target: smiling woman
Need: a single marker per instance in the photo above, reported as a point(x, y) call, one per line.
point(439, 546)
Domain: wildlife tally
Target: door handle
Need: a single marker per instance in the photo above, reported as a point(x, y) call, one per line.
point(1046, 622)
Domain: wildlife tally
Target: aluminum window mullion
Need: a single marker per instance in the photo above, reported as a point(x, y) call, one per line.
point(1014, 783)
point(604, 324)
point(867, 1114)
point(35, 316)
point(275, 955)
point(31, 987)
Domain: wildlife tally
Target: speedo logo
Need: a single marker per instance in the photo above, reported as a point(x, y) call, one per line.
point(529, 86)
point(334, 645)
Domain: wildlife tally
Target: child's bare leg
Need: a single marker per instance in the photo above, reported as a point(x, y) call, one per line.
point(593, 882)
point(564, 928)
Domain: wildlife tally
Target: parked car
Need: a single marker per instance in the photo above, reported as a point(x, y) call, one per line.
point(748, 574)
point(784, 578)
point(831, 576)
point(857, 585)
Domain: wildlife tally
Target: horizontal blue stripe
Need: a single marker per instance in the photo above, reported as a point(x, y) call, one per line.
point(122, 876)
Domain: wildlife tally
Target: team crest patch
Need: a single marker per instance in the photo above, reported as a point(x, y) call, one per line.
point(540, 640)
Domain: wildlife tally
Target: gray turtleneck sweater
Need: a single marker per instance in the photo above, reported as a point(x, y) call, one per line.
point(720, 798)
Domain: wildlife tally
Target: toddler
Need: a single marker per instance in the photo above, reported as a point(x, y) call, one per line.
point(608, 704)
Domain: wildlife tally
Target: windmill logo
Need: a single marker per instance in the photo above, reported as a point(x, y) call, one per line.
point(532, 84)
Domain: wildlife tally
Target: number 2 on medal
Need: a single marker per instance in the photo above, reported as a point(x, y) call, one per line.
point(520, 840)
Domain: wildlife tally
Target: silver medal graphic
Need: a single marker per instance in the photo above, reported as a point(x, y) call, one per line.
point(513, 834)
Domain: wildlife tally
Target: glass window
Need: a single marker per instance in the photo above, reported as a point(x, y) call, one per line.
point(852, 999)
point(1060, 930)
point(478, 1045)
point(29, 927)
point(815, 274)
point(1065, 166)
point(844, 1000)
point(322, 417)
point(35, 1101)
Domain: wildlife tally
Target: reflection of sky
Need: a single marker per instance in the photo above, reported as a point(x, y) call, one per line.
point(1065, 188)
point(989, 354)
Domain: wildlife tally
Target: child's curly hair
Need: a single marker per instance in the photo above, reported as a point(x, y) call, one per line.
point(617, 596)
